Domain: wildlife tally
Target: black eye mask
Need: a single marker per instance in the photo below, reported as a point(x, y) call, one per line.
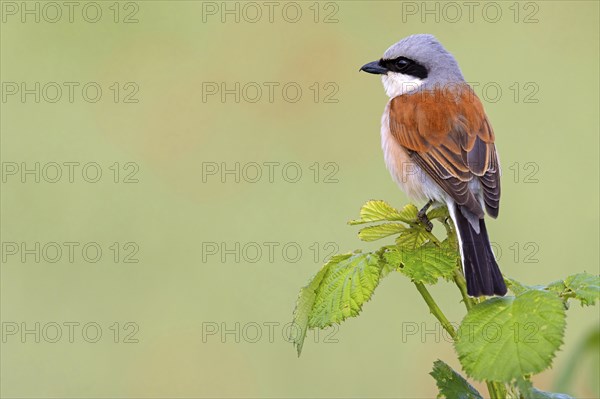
point(404, 66)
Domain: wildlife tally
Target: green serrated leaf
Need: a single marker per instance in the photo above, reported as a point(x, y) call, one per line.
point(379, 211)
point(412, 238)
point(391, 262)
point(582, 286)
point(502, 339)
point(425, 264)
point(451, 384)
point(556, 286)
point(527, 391)
point(409, 213)
point(347, 284)
point(516, 287)
point(373, 233)
point(585, 287)
point(305, 302)
point(440, 212)
point(392, 256)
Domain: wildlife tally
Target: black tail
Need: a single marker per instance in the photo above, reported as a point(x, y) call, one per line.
point(479, 265)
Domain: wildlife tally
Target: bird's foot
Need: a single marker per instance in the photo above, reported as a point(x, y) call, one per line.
point(422, 217)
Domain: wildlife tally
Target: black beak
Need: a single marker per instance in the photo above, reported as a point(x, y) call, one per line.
point(374, 68)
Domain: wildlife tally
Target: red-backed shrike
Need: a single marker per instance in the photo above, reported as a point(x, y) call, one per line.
point(439, 147)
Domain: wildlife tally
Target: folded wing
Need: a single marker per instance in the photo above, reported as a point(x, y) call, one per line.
point(447, 133)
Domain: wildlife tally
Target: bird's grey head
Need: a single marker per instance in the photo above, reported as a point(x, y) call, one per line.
point(415, 61)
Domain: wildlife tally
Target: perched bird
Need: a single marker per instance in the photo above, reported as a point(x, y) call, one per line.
point(439, 147)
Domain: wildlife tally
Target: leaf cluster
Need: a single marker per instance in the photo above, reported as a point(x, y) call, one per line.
point(501, 340)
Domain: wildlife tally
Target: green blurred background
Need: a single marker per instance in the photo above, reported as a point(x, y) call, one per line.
point(545, 119)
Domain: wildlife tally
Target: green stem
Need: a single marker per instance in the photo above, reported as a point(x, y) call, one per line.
point(496, 390)
point(462, 286)
point(492, 390)
point(435, 310)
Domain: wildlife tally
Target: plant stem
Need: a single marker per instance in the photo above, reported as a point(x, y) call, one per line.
point(492, 390)
point(435, 310)
point(496, 390)
point(462, 286)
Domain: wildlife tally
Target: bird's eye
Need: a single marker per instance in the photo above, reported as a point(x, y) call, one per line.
point(402, 63)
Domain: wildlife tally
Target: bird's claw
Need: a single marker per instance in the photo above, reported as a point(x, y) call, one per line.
point(422, 217)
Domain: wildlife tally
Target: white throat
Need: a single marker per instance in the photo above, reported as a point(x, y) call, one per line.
point(397, 84)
